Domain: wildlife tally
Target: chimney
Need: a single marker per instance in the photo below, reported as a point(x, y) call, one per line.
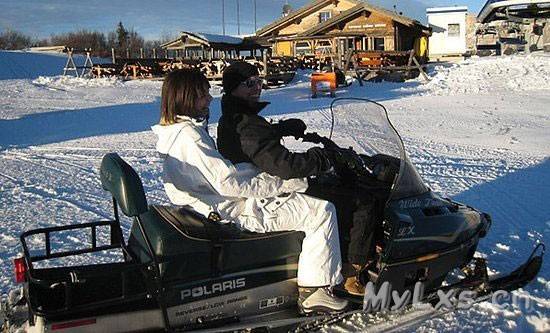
point(286, 9)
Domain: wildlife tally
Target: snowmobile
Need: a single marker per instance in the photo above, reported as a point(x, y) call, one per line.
point(179, 270)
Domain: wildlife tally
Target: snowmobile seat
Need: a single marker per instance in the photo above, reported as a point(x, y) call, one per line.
point(184, 243)
point(124, 184)
point(189, 246)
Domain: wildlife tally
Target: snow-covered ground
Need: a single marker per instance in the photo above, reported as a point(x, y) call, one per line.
point(479, 132)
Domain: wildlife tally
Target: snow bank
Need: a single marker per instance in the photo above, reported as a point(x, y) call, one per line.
point(30, 65)
point(70, 82)
point(489, 75)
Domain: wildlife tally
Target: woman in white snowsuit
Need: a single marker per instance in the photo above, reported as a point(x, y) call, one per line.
point(195, 174)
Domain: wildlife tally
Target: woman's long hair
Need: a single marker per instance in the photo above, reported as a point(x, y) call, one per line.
point(180, 91)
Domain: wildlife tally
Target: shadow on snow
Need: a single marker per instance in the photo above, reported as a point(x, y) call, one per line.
point(518, 204)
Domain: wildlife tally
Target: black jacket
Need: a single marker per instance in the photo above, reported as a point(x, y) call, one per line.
point(244, 136)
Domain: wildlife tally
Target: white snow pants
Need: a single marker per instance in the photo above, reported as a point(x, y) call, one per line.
point(320, 261)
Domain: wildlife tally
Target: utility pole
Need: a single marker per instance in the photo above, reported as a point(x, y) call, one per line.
point(238, 19)
point(255, 21)
point(223, 17)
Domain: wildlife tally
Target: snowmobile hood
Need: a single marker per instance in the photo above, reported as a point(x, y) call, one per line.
point(167, 134)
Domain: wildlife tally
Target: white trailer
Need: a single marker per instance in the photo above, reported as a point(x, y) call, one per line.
point(448, 30)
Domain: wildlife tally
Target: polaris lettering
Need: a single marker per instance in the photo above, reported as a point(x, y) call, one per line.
point(214, 288)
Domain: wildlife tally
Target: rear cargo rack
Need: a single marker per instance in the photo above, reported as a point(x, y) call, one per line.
point(116, 241)
point(64, 292)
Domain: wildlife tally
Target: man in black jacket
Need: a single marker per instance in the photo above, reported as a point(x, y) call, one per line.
point(245, 136)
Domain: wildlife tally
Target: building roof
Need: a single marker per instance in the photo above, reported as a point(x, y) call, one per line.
point(203, 39)
point(297, 14)
point(212, 38)
point(211, 41)
point(358, 9)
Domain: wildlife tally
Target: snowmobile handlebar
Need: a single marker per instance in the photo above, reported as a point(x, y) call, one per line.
point(343, 157)
point(381, 167)
point(313, 137)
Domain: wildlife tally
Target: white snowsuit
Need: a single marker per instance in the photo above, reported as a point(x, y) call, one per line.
point(196, 174)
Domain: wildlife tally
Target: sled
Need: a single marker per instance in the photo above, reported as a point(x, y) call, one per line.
point(179, 270)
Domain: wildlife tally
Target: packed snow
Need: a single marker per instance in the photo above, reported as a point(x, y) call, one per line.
point(478, 132)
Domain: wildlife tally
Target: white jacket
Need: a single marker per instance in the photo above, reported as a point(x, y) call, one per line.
point(195, 174)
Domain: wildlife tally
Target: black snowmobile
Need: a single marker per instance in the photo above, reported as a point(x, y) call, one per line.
point(180, 270)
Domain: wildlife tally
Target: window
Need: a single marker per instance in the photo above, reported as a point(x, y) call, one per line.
point(323, 47)
point(453, 30)
point(303, 48)
point(324, 16)
point(379, 44)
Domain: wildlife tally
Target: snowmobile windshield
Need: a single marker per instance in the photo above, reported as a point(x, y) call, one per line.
point(365, 126)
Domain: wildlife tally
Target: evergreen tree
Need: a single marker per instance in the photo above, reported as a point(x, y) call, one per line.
point(122, 36)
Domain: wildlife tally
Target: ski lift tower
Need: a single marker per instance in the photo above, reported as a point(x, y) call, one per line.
point(517, 25)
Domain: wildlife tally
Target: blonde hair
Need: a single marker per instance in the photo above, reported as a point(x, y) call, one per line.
point(180, 91)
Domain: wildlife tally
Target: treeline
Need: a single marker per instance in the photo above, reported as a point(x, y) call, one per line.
point(124, 41)
point(14, 40)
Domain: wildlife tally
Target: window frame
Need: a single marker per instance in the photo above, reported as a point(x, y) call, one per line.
point(321, 16)
point(455, 33)
point(375, 44)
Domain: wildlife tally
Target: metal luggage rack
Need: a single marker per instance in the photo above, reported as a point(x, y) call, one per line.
point(75, 277)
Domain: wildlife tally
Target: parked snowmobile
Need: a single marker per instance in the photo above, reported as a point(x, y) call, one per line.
point(182, 270)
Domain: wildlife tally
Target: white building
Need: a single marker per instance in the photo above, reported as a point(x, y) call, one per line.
point(449, 30)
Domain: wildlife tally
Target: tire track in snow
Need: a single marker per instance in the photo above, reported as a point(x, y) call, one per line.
point(60, 185)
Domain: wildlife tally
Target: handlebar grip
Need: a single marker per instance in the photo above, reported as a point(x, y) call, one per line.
point(318, 139)
point(312, 137)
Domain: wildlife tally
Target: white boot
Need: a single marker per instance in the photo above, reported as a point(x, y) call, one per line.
point(320, 300)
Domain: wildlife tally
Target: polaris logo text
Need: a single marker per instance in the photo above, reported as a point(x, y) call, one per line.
point(214, 288)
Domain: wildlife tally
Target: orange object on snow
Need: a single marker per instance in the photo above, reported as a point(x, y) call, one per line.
point(323, 82)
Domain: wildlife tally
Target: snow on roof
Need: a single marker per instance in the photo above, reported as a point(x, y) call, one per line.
point(446, 9)
point(213, 38)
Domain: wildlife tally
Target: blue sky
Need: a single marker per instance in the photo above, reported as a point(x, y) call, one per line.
point(155, 18)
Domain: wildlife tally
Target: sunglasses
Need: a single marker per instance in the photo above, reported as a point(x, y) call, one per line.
point(252, 82)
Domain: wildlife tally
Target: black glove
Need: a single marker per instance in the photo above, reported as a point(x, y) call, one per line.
point(345, 159)
point(319, 155)
point(291, 127)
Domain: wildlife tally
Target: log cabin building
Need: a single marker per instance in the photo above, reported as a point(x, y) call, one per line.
point(336, 26)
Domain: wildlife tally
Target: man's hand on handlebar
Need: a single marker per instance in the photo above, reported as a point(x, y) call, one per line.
point(342, 160)
point(345, 159)
point(291, 127)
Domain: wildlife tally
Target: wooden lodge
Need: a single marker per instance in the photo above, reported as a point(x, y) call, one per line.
point(338, 26)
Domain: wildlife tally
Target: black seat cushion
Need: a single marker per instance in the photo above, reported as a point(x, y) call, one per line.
point(189, 246)
point(196, 225)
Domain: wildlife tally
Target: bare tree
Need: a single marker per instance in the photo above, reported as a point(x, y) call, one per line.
point(14, 40)
point(83, 39)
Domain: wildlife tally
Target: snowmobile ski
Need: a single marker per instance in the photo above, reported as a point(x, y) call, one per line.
point(476, 280)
